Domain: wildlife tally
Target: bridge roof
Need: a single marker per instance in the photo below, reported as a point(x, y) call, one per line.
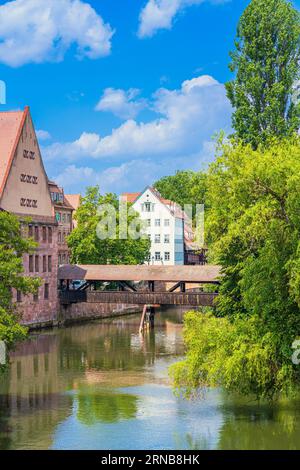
point(205, 274)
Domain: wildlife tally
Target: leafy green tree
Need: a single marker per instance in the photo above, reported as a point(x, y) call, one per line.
point(13, 245)
point(253, 227)
point(266, 62)
point(89, 246)
point(185, 187)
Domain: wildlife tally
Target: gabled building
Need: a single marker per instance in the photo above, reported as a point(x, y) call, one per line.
point(164, 225)
point(168, 227)
point(64, 218)
point(24, 191)
point(74, 201)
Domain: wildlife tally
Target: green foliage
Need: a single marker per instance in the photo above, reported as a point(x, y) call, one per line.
point(253, 227)
point(185, 187)
point(13, 244)
point(266, 62)
point(237, 355)
point(86, 244)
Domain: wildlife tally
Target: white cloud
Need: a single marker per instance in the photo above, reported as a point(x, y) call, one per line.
point(133, 175)
point(186, 118)
point(39, 30)
point(43, 135)
point(159, 14)
point(121, 103)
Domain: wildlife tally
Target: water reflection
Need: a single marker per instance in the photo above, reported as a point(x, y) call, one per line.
point(103, 386)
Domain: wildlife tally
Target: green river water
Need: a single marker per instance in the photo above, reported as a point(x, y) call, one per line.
point(103, 386)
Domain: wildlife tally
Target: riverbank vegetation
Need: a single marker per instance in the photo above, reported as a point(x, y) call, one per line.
point(253, 229)
point(97, 238)
point(13, 245)
point(253, 219)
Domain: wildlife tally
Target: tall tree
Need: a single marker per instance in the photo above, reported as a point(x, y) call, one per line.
point(89, 244)
point(254, 230)
point(13, 245)
point(266, 62)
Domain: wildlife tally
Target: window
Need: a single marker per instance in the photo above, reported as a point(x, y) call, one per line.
point(148, 222)
point(58, 216)
point(49, 264)
point(49, 235)
point(59, 237)
point(157, 222)
point(147, 206)
point(36, 233)
point(69, 218)
point(19, 296)
point(36, 297)
point(167, 238)
point(31, 263)
point(37, 263)
point(63, 218)
point(157, 238)
point(46, 292)
point(167, 222)
point(167, 256)
point(157, 256)
point(44, 234)
point(44, 263)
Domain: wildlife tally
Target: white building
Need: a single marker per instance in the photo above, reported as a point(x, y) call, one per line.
point(164, 224)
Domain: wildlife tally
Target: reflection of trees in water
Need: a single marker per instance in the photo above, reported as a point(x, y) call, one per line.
point(105, 347)
point(263, 426)
point(106, 407)
point(32, 398)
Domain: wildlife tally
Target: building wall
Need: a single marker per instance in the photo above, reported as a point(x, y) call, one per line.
point(27, 162)
point(158, 212)
point(26, 194)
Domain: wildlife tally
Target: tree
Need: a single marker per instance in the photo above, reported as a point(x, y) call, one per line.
point(185, 187)
point(253, 228)
point(13, 245)
point(87, 244)
point(266, 62)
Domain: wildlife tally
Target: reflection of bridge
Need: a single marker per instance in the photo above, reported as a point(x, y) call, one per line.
point(147, 285)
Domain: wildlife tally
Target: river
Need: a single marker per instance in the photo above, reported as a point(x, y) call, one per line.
point(103, 386)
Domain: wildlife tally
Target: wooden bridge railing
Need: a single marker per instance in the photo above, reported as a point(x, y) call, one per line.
point(125, 297)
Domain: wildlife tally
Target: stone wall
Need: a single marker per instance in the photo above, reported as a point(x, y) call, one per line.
point(85, 311)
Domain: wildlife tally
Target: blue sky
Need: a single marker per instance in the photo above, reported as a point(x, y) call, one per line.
point(122, 91)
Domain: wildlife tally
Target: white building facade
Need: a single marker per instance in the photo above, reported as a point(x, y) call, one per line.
point(164, 225)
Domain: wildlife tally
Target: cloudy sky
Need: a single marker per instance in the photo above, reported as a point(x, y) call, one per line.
point(122, 92)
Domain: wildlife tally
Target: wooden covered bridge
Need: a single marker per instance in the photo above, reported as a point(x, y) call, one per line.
point(142, 284)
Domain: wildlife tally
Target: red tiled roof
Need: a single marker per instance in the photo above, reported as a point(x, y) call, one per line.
point(11, 124)
point(130, 197)
point(73, 200)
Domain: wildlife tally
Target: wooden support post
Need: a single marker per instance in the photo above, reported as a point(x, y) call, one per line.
point(151, 317)
point(143, 319)
point(182, 287)
point(151, 286)
point(175, 287)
